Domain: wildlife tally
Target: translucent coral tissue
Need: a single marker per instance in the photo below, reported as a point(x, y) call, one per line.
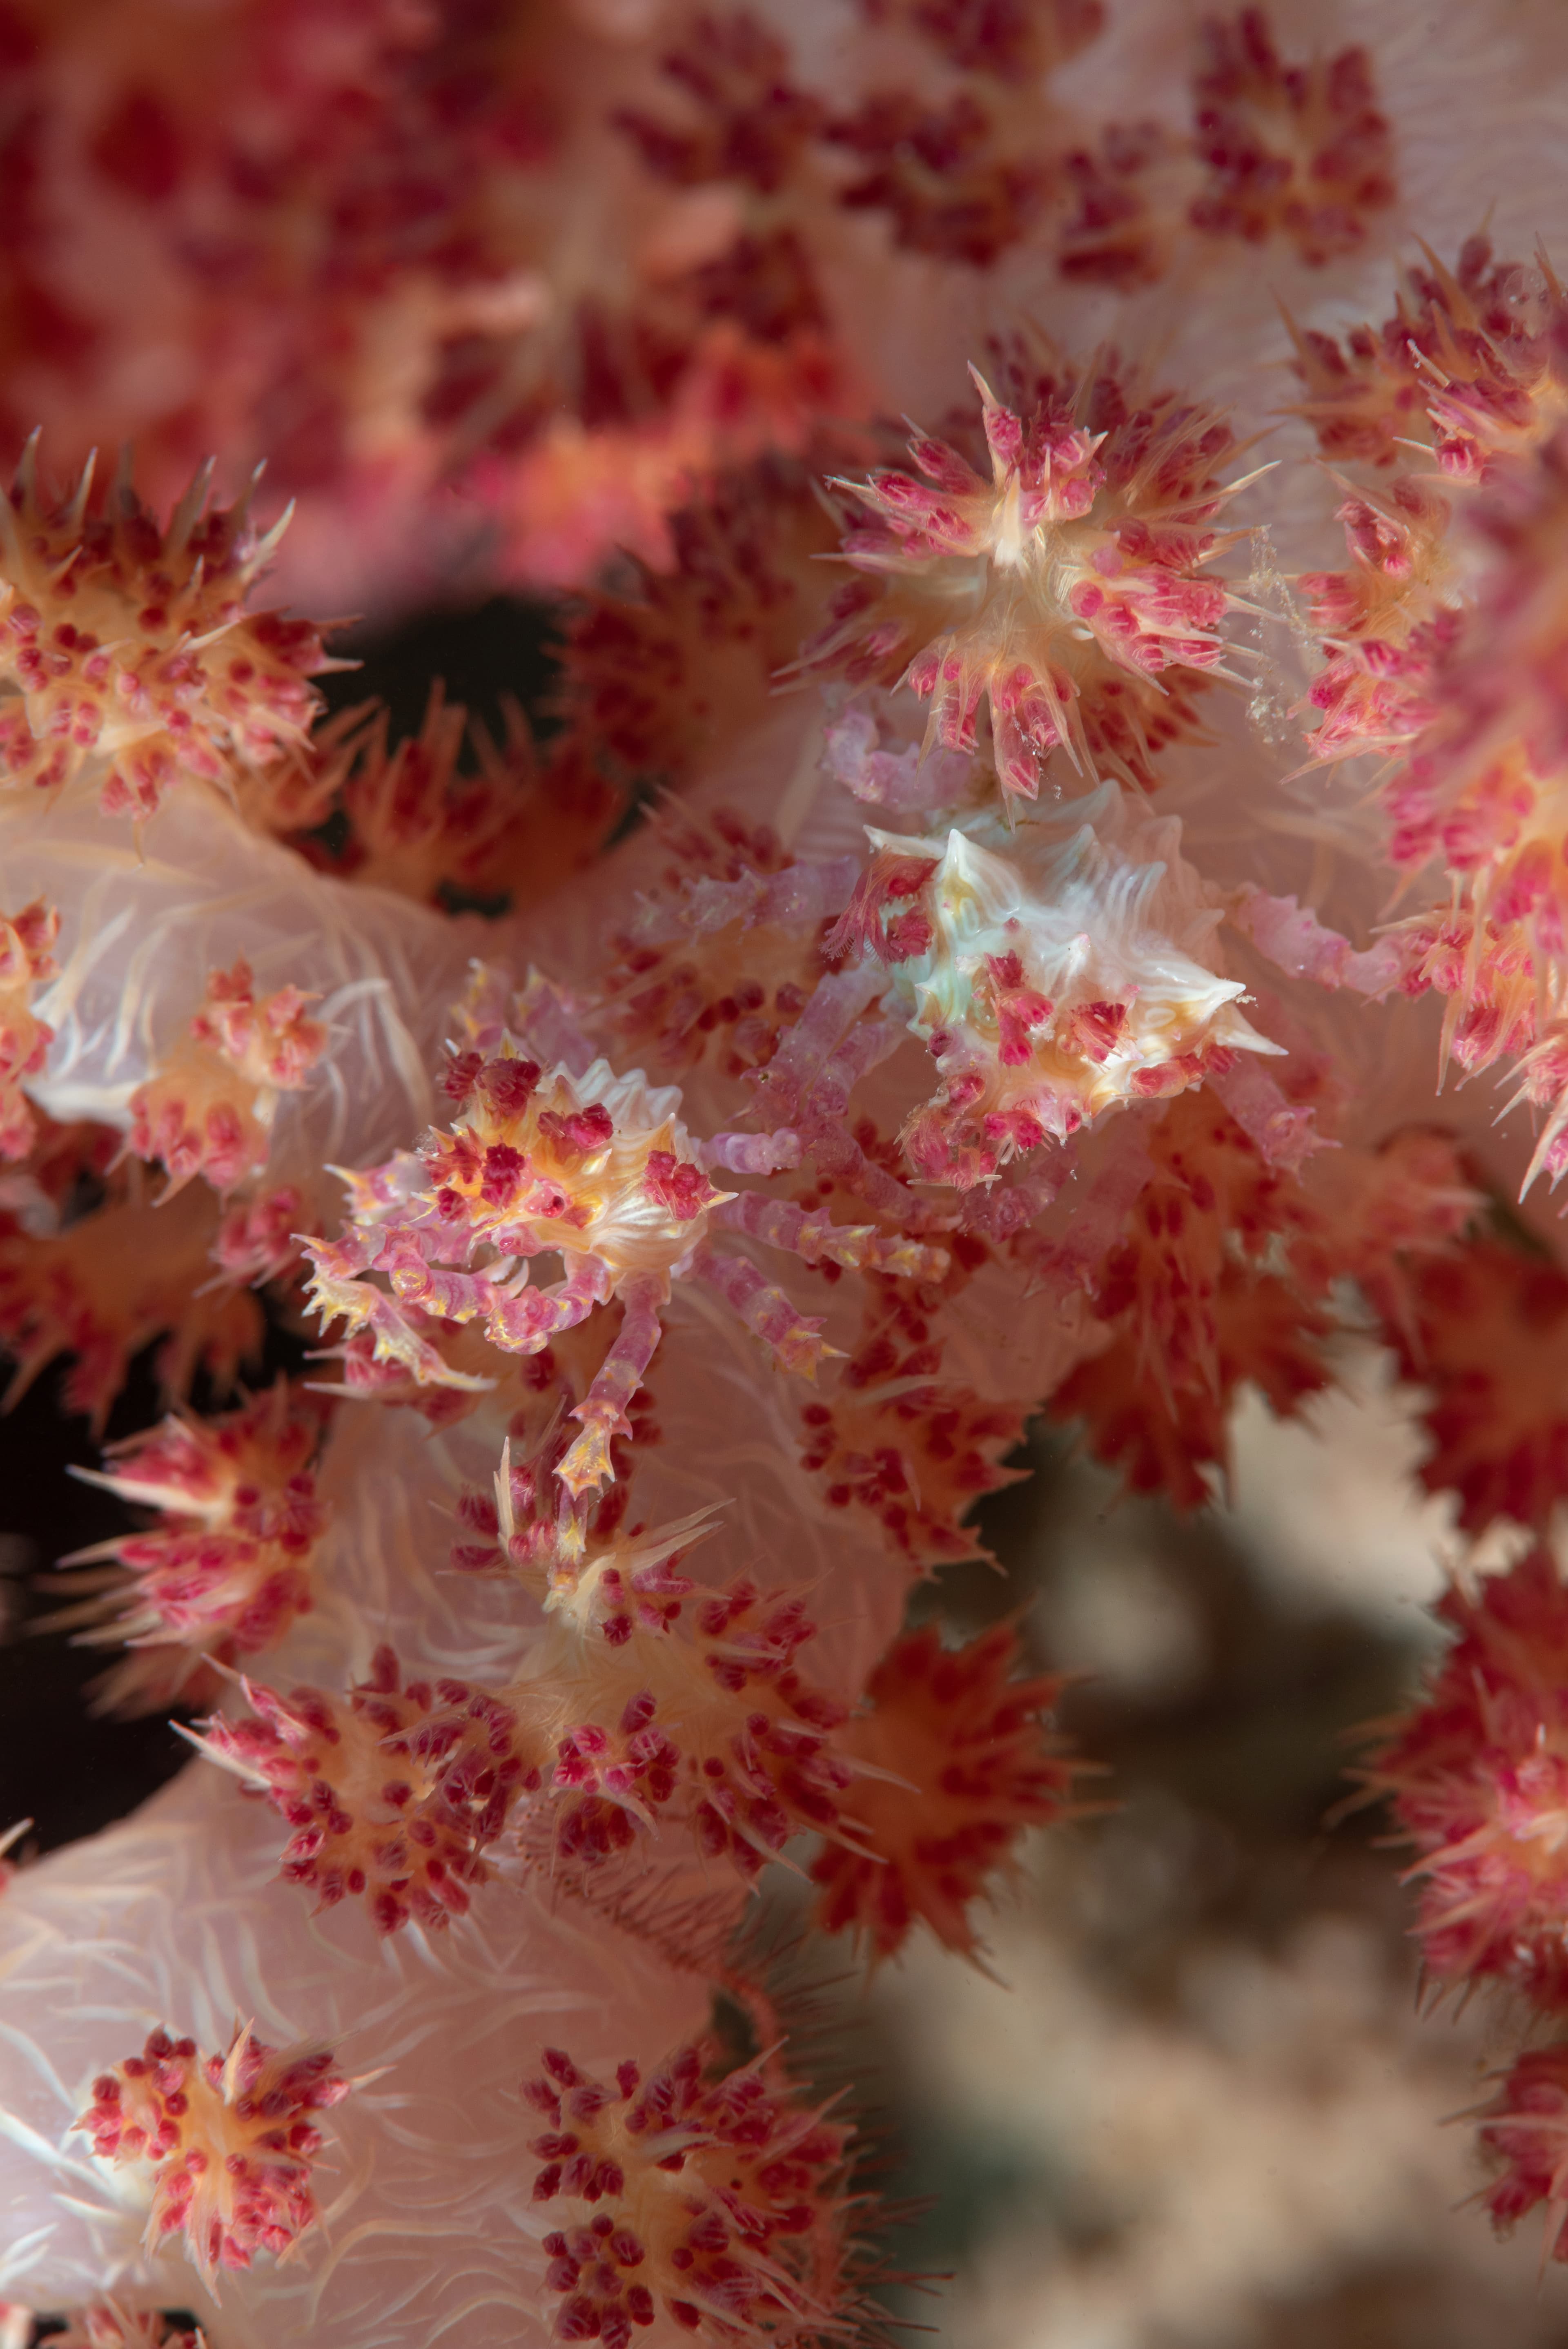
point(1050, 913)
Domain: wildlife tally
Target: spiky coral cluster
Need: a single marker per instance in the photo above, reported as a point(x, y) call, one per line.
point(1223, 1274)
point(210, 1110)
point(1055, 592)
point(1197, 1294)
point(1467, 369)
point(1477, 1776)
point(229, 2140)
point(1471, 368)
point(371, 278)
point(230, 1567)
point(961, 1768)
point(1443, 640)
point(708, 2194)
point(617, 1719)
point(127, 650)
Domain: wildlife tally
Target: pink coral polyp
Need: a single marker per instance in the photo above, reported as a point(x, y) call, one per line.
point(210, 1110)
point(230, 1566)
point(229, 2141)
point(1050, 593)
point(714, 2198)
point(371, 1819)
point(1523, 2136)
point(1477, 1775)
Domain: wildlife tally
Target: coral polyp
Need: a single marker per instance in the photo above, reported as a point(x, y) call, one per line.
point(227, 1571)
point(960, 1771)
point(1478, 1779)
point(1522, 2133)
point(230, 2141)
point(711, 2199)
point(210, 1110)
point(26, 964)
point(129, 656)
point(1051, 592)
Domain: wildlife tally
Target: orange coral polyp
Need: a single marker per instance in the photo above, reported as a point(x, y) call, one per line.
point(106, 1285)
point(914, 1459)
point(421, 817)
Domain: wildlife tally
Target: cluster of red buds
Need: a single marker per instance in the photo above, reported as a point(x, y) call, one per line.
point(229, 2140)
point(230, 1566)
point(707, 2194)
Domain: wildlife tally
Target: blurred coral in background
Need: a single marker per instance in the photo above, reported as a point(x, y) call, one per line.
point(783, 1070)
